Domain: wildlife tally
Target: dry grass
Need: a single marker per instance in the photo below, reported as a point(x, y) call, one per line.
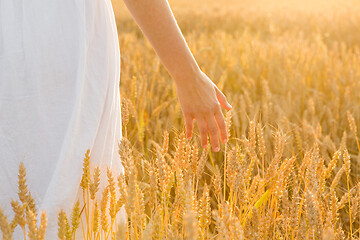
point(290, 169)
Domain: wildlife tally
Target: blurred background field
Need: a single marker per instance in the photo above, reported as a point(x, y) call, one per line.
point(302, 51)
point(289, 68)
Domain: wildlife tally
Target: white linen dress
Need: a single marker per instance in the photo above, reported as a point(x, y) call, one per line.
point(59, 96)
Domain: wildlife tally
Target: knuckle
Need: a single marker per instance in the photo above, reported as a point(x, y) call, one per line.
point(204, 111)
point(209, 109)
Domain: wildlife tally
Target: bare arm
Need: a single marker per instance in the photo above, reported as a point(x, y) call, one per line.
point(199, 97)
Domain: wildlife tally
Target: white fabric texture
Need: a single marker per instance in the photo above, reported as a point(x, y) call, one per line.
point(59, 96)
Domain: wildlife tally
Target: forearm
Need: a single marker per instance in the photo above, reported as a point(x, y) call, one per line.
point(157, 22)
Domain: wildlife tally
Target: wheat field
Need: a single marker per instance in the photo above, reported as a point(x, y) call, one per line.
point(291, 71)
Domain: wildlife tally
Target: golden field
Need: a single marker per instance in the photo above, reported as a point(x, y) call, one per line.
point(291, 71)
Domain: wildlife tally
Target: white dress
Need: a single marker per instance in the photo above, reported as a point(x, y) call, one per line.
point(59, 96)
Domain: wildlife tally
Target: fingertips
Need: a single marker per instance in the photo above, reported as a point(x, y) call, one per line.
point(214, 136)
point(222, 126)
point(189, 126)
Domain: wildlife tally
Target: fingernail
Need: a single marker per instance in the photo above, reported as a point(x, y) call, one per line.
point(216, 149)
point(229, 105)
point(225, 140)
point(204, 146)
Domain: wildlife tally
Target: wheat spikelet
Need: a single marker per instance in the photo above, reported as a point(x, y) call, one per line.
point(103, 208)
point(228, 225)
point(279, 139)
point(124, 111)
point(278, 150)
point(122, 190)
point(232, 168)
point(5, 226)
point(332, 164)
point(131, 191)
point(251, 228)
point(140, 210)
point(216, 181)
point(312, 214)
point(177, 211)
point(228, 122)
point(311, 178)
point(31, 204)
point(249, 170)
point(96, 217)
point(164, 172)
point(354, 208)
point(252, 135)
point(261, 141)
point(337, 177)
point(165, 147)
point(254, 184)
point(19, 211)
point(75, 216)
point(22, 186)
point(352, 122)
point(112, 192)
point(201, 164)
point(343, 142)
point(153, 186)
point(179, 158)
point(126, 157)
point(64, 230)
point(31, 223)
point(264, 227)
point(42, 229)
point(187, 158)
point(235, 169)
point(346, 166)
point(194, 158)
point(283, 174)
point(85, 179)
point(204, 210)
point(294, 209)
point(190, 223)
point(94, 184)
point(156, 229)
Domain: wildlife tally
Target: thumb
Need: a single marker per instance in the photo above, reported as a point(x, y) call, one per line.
point(222, 99)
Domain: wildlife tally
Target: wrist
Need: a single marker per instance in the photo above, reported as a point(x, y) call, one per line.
point(186, 74)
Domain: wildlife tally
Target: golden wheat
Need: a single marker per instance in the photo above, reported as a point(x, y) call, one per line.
point(290, 169)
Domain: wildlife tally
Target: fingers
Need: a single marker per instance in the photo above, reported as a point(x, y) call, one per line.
point(203, 131)
point(222, 126)
point(189, 126)
point(213, 131)
point(222, 99)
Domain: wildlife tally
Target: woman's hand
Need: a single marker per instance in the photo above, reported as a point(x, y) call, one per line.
point(200, 99)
